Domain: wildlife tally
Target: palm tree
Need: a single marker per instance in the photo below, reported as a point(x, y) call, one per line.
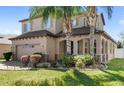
point(66, 13)
point(91, 12)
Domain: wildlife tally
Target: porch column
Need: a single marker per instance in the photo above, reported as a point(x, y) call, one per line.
point(75, 47)
point(68, 47)
point(99, 48)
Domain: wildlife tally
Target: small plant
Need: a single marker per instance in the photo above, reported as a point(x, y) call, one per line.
point(25, 59)
point(45, 65)
point(79, 61)
point(39, 53)
point(35, 58)
point(80, 64)
point(7, 55)
point(67, 60)
point(54, 64)
point(89, 60)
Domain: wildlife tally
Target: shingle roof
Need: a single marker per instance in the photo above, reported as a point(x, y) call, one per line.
point(34, 34)
point(4, 40)
point(85, 31)
point(76, 31)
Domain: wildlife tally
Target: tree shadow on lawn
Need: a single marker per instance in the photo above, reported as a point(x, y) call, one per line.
point(79, 78)
point(71, 78)
point(113, 76)
point(75, 78)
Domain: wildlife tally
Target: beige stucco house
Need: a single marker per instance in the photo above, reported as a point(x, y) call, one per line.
point(50, 39)
point(5, 45)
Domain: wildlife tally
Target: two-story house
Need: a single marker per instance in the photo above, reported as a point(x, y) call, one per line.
point(50, 39)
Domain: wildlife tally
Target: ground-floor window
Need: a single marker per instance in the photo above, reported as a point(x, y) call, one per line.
point(72, 47)
point(102, 46)
point(110, 48)
point(80, 47)
point(94, 46)
point(86, 47)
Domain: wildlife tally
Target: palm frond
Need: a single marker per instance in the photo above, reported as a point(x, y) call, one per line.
point(108, 10)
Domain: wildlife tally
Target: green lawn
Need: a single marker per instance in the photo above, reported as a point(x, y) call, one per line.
point(2, 60)
point(114, 75)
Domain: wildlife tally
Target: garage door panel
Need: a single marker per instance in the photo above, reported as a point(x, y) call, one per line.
point(27, 50)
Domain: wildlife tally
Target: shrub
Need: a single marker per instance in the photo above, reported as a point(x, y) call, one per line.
point(89, 60)
point(25, 59)
point(54, 64)
point(35, 58)
point(68, 61)
point(7, 55)
point(39, 53)
point(79, 61)
point(44, 65)
point(80, 64)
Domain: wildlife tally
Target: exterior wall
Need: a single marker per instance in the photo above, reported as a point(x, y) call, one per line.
point(104, 54)
point(57, 25)
point(37, 24)
point(82, 21)
point(99, 25)
point(111, 47)
point(75, 40)
point(4, 48)
point(51, 48)
point(40, 45)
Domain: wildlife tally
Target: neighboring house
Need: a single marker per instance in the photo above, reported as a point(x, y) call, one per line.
point(5, 44)
point(119, 53)
point(50, 39)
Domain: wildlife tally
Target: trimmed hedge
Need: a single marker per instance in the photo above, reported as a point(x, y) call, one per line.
point(79, 61)
point(7, 55)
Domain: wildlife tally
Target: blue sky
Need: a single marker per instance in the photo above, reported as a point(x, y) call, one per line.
point(9, 17)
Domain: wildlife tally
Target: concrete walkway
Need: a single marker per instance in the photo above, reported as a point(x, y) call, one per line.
point(13, 65)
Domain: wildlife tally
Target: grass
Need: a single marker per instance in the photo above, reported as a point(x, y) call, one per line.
point(113, 76)
point(2, 60)
point(116, 64)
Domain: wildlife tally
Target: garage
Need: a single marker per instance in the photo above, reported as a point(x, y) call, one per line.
point(28, 49)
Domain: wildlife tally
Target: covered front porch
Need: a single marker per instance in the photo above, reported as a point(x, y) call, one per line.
point(81, 46)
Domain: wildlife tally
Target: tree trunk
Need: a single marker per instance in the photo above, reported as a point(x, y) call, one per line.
point(67, 31)
point(68, 44)
point(92, 30)
point(92, 18)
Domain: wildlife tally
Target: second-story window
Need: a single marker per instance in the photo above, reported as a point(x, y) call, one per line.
point(47, 25)
point(74, 22)
point(27, 27)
